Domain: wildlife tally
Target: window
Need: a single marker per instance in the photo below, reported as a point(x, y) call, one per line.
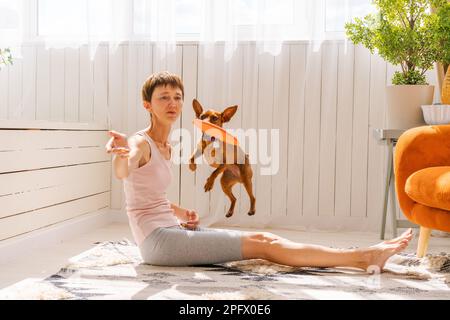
point(134, 19)
point(80, 17)
point(62, 17)
point(187, 16)
point(272, 12)
point(338, 12)
point(10, 23)
point(9, 17)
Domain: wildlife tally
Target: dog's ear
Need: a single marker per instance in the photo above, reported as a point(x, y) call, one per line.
point(228, 113)
point(198, 109)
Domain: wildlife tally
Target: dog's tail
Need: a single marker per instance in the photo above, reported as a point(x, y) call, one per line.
point(247, 159)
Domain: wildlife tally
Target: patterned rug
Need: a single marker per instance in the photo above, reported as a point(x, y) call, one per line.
point(114, 270)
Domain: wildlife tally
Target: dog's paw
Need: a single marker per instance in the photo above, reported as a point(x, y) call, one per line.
point(192, 166)
point(251, 212)
point(209, 184)
point(229, 214)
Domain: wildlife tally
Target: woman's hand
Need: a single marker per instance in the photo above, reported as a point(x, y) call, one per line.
point(118, 144)
point(192, 220)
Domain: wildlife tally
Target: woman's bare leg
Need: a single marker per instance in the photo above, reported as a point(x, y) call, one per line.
point(282, 251)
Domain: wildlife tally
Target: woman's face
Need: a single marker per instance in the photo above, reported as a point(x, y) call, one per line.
point(166, 104)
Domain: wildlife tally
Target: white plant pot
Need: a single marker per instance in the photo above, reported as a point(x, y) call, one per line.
point(404, 105)
point(436, 114)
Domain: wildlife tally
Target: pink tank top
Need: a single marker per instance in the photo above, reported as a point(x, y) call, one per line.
point(145, 194)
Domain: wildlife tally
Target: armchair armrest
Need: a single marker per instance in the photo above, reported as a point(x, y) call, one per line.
point(419, 148)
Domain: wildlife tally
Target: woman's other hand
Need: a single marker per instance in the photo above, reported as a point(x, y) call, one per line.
point(192, 220)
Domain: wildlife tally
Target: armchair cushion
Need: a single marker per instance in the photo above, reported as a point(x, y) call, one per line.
point(430, 187)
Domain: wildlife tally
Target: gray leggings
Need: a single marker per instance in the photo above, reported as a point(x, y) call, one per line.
point(176, 246)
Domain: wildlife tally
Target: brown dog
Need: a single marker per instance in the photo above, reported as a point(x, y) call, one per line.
point(226, 158)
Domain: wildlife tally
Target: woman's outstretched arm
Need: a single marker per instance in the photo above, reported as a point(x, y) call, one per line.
point(128, 153)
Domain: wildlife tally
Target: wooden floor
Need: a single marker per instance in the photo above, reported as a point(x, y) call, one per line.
point(47, 260)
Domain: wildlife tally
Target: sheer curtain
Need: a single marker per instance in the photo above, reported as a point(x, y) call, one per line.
point(69, 23)
point(12, 25)
point(72, 23)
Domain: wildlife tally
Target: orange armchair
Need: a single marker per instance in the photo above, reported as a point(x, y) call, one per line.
point(422, 179)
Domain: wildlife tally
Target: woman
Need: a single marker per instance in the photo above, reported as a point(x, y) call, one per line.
point(143, 163)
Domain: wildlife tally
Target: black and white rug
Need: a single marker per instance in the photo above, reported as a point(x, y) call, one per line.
point(114, 270)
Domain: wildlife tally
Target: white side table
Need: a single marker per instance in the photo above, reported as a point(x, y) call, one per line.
point(390, 137)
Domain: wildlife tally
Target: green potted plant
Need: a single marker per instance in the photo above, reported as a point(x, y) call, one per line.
point(404, 33)
point(5, 57)
point(440, 113)
point(443, 38)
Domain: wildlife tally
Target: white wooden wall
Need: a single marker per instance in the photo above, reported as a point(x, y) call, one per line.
point(50, 172)
point(325, 103)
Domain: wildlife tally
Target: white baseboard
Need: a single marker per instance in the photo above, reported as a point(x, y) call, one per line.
point(54, 234)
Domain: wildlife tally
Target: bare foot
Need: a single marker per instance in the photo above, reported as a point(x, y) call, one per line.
point(406, 233)
point(377, 255)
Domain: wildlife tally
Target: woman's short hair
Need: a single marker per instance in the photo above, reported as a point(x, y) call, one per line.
point(157, 79)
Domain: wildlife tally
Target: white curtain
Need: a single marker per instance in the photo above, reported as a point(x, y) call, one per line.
point(72, 23)
point(11, 25)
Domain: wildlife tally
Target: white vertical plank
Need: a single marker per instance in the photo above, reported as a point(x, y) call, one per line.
point(219, 202)
point(71, 84)
point(145, 69)
point(133, 88)
point(360, 132)
point(210, 75)
point(43, 83)
point(159, 56)
point(187, 187)
point(234, 96)
point(15, 102)
point(250, 123)
point(376, 152)
point(312, 133)
point(4, 88)
point(297, 85)
point(344, 131)
point(86, 97)
point(264, 116)
point(29, 82)
point(174, 65)
point(116, 106)
point(213, 75)
point(174, 61)
point(280, 122)
point(101, 85)
point(126, 79)
point(57, 84)
point(328, 129)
